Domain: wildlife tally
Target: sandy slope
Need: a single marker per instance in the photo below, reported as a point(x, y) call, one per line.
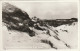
point(16, 39)
point(71, 36)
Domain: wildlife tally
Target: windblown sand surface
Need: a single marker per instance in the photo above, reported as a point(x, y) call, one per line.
point(67, 35)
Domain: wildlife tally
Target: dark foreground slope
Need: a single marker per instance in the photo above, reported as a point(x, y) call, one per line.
point(15, 18)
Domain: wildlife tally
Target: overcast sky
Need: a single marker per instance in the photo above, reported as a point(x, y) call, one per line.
point(49, 10)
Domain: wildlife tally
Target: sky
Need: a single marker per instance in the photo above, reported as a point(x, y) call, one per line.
point(49, 10)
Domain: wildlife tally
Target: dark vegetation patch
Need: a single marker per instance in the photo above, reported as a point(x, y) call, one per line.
point(56, 37)
point(67, 45)
point(48, 42)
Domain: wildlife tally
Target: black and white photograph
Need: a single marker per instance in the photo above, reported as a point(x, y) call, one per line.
point(40, 25)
